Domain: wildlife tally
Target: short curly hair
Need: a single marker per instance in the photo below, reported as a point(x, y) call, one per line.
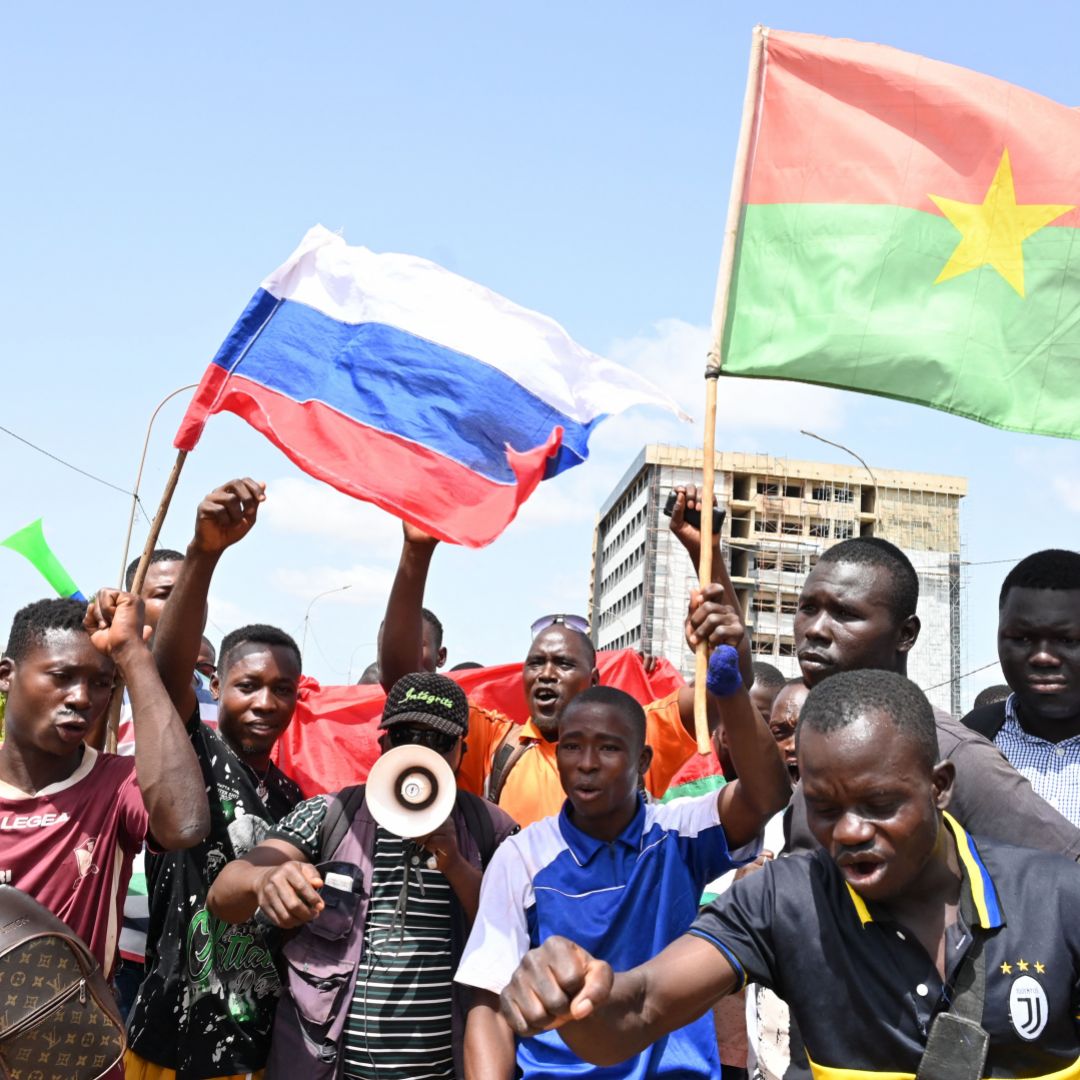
point(848, 696)
point(879, 554)
point(33, 622)
point(156, 556)
point(1054, 568)
point(255, 634)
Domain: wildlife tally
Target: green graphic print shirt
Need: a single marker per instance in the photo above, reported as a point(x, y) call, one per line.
point(206, 1004)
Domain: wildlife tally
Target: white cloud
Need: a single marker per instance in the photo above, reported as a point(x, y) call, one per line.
point(566, 500)
point(309, 508)
point(346, 585)
point(1068, 492)
point(225, 615)
point(672, 353)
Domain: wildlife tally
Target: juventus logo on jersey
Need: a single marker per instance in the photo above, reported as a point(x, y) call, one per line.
point(1028, 1008)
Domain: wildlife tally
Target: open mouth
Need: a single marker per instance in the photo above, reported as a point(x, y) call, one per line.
point(862, 870)
point(545, 697)
point(73, 727)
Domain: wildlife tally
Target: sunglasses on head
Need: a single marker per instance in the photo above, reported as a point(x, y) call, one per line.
point(439, 741)
point(571, 622)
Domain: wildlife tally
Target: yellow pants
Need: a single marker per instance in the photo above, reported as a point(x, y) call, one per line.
point(137, 1068)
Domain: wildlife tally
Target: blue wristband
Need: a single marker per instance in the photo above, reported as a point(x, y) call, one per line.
point(724, 679)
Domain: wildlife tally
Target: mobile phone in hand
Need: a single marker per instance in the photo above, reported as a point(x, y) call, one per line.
point(693, 517)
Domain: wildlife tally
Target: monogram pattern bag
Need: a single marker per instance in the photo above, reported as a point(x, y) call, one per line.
point(58, 1018)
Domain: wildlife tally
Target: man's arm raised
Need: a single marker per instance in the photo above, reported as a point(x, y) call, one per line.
point(225, 516)
point(166, 769)
point(402, 642)
point(606, 1017)
point(764, 784)
point(686, 498)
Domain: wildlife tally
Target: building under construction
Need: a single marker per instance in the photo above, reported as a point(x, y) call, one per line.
point(781, 515)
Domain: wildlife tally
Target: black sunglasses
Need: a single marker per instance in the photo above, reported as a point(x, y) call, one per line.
point(439, 741)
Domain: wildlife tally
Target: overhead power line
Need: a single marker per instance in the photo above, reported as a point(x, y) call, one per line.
point(74, 468)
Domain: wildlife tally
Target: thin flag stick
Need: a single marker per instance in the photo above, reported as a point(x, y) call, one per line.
point(712, 367)
point(138, 478)
point(115, 704)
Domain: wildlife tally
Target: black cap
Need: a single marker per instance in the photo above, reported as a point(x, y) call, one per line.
point(428, 699)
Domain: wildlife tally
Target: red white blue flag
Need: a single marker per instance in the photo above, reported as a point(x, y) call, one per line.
point(403, 384)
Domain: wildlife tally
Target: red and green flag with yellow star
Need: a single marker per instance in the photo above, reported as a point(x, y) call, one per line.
point(908, 228)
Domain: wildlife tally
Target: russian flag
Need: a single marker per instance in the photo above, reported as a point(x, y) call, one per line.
point(403, 384)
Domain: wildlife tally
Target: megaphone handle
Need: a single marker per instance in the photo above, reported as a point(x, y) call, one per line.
point(262, 919)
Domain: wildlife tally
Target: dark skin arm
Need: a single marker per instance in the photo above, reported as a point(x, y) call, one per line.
point(764, 784)
point(274, 876)
point(225, 516)
point(464, 878)
point(686, 498)
point(402, 637)
point(605, 1017)
point(166, 768)
point(277, 877)
point(489, 1042)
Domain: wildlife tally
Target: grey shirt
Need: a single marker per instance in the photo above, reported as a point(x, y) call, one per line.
point(990, 798)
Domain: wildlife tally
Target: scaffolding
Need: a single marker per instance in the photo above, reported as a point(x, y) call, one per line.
point(780, 516)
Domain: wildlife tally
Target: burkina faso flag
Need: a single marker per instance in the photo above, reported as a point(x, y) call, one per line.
point(909, 228)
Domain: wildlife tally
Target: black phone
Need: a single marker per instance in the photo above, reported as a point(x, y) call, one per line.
point(693, 517)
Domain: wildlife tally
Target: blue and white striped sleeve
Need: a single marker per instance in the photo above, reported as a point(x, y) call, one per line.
point(701, 837)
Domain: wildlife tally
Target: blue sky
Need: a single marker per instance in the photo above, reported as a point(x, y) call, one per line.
point(159, 161)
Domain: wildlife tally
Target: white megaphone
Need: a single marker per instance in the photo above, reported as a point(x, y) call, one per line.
point(411, 790)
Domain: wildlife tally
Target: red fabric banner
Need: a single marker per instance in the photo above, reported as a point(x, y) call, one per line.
point(333, 739)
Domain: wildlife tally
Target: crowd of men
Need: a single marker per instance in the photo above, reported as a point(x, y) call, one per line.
point(854, 881)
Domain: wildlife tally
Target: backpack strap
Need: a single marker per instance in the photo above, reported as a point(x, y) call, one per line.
point(507, 754)
point(478, 822)
point(987, 721)
point(344, 806)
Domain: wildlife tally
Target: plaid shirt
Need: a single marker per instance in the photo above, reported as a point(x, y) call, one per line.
point(1052, 769)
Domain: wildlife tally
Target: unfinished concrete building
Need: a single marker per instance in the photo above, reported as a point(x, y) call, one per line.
point(780, 515)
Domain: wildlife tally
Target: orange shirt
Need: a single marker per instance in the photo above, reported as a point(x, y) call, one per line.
point(533, 790)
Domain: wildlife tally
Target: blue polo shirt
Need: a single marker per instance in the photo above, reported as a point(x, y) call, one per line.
point(623, 901)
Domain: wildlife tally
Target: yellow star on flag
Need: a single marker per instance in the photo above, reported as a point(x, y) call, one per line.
point(992, 232)
point(1040, 969)
point(1023, 965)
point(1006, 968)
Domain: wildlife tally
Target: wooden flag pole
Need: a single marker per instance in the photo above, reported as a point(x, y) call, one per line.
point(116, 702)
point(712, 367)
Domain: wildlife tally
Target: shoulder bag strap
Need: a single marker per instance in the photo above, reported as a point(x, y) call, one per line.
point(957, 1046)
point(507, 755)
point(344, 806)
